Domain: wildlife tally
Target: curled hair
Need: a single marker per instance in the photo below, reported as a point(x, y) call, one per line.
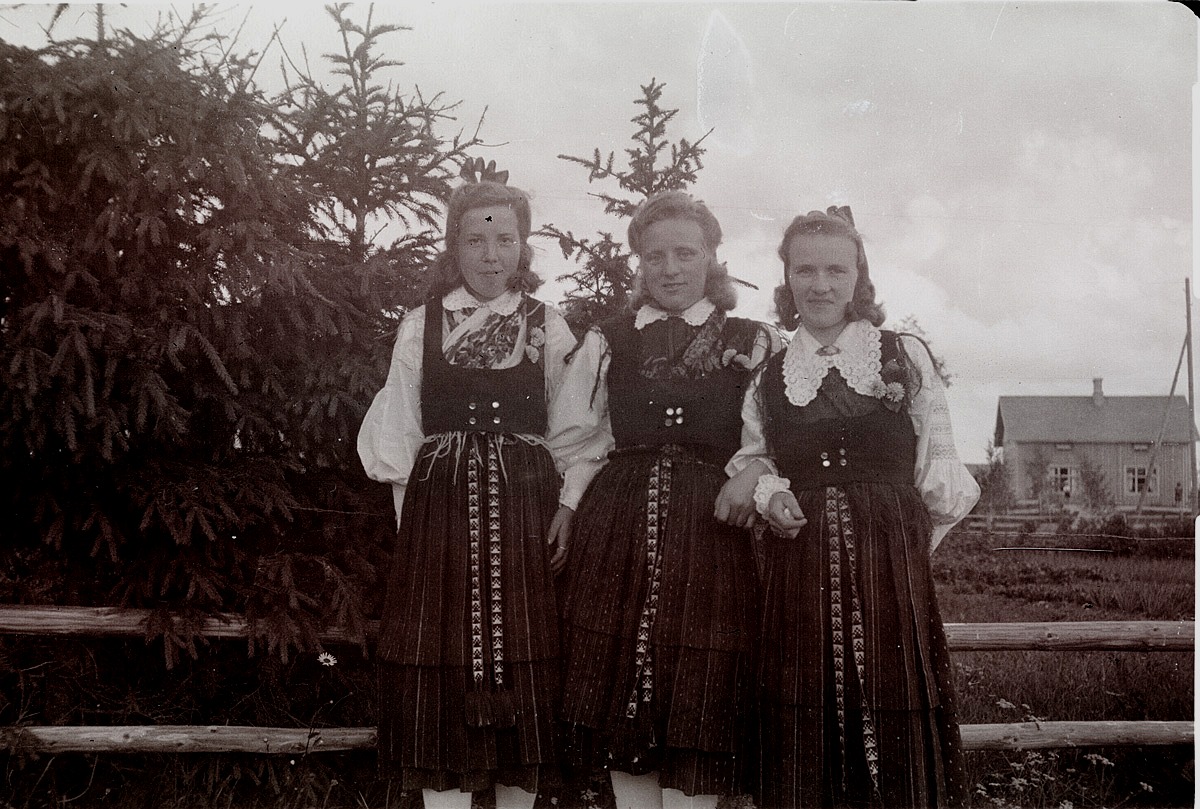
point(863, 305)
point(444, 273)
point(665, 205)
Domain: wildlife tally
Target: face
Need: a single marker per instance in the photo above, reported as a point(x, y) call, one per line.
point(674, 263)
point(489, 250)
point(822, 272)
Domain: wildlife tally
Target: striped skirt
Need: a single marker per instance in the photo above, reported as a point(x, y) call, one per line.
point(856, 699)
point(660, 624)
point(468, 651)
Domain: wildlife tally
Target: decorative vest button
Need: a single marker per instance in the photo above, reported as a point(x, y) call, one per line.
point(472, 420)
point(495, 405)
point(496, 420)
point(470, 405)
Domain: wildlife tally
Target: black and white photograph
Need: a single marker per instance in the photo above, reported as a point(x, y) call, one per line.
point(642, 405)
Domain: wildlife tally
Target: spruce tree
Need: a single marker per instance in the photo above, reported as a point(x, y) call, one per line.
point(602, 284)
point(190, 333)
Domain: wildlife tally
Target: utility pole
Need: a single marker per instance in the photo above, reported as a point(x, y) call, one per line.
point(1187, 294)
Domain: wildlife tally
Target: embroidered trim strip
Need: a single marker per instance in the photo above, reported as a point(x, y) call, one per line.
point(658, 497)
point(840, 533)
point(474, 531)
point(494, 553)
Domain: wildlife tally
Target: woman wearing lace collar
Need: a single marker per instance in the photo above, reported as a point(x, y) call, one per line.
point(660, 604)
point(857, 701)
point(471, 432)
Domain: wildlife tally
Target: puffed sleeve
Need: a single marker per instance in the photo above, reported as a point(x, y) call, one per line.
point(945, 484)
point(754, 445)
point(391, 433)
point(754, 448)
point(579, 433)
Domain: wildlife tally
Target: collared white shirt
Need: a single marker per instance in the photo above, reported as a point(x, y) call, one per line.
point(945, 484)
point(694, 315)
point(460, 298)
point(391, 434)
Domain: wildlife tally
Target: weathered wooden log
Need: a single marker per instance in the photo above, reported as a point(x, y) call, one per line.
point(1141, 636)
point(1045, 735)
point(299, 741)
point(185, 739)
point(20, 619)
point(1080, 636)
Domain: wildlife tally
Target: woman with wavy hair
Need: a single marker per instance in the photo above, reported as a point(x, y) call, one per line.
point(470, 432)
point(856, 699)
point(661, 598)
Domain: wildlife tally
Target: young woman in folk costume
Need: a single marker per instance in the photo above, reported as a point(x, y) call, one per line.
point(660, 598)
point(856, 701)
point(470, 433)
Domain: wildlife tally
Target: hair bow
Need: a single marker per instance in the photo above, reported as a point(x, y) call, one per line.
point(475, 171)
point(841, 212)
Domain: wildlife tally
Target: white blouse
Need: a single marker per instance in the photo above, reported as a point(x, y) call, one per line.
point(592, 359)
point(946, 487)
point(391, 434)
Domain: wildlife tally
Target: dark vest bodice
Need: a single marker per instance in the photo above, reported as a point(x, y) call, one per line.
point(815, 446)
point(509, 400)
point(703, 415)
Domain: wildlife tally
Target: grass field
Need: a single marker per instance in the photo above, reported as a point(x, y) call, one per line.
point(978, 583)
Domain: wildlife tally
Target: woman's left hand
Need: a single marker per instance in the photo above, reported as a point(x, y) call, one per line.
point(735, 501)
point(559, 537)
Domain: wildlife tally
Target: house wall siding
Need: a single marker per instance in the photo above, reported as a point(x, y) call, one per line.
point(1172, 463)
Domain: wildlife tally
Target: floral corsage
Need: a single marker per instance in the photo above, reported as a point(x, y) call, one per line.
point(537, 339)
point(889, 388)
point(731, 355)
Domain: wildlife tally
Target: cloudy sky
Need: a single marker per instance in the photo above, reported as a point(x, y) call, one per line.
point(1021, 171)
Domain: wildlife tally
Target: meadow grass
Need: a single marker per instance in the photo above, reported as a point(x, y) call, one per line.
point(977, 583)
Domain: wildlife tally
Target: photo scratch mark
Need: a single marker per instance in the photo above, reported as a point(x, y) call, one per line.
point(997, 23)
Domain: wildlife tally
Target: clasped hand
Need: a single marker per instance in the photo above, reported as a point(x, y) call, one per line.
point(735, 501)
point(784, 514)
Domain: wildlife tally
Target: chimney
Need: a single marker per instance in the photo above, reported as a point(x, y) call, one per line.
point(1097, 391)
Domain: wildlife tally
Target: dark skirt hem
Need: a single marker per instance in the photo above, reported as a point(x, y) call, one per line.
point(692, 772)
point(411, 778)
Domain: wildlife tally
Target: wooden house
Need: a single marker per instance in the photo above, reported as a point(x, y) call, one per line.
point(1056, 446)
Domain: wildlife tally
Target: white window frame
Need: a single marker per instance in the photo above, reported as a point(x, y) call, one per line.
point(1139, 478)
point(1063, 473)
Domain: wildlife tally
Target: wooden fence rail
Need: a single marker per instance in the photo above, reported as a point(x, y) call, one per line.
point(1080, 636)
point(1134, 636)
point(301, 741)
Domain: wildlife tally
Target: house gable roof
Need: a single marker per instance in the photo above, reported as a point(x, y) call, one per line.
point(1078, 419)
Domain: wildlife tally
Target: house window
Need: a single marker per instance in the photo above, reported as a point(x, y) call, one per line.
point(1138, 480)
point(1064, 480)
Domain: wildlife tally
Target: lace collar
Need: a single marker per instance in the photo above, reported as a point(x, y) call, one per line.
point(694, 315)
point(460, 298)
point(857, 359)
